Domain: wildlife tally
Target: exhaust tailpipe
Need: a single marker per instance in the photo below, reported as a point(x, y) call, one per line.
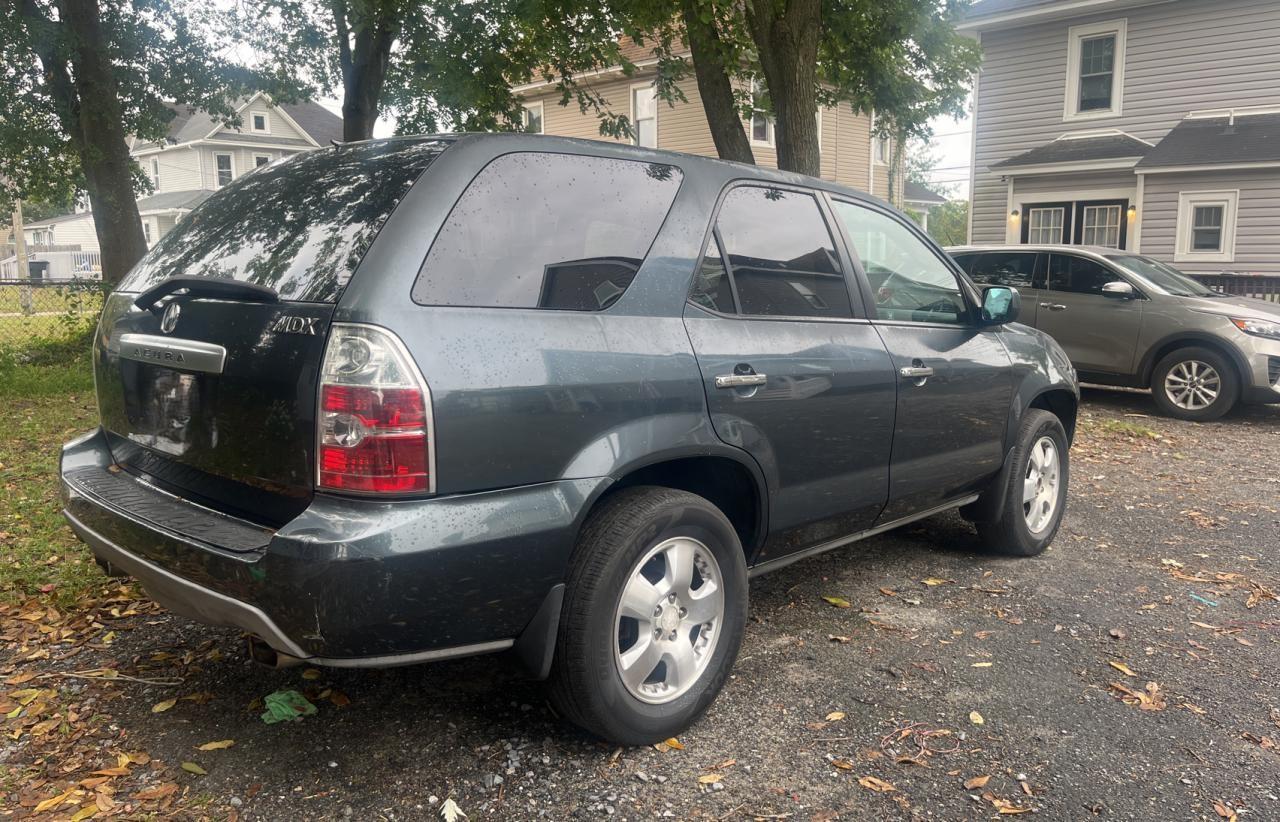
point(263, 654)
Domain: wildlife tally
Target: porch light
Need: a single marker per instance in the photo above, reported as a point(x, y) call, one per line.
point(1133, 211)
point(1013, 215)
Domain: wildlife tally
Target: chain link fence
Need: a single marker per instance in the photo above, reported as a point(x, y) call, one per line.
point(33, 312)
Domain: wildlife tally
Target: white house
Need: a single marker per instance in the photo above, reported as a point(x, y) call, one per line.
point(198, 156)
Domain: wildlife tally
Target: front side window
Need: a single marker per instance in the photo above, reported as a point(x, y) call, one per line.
point(644, 116)
point(1016, 270)
point(910, 282)
point(780, 255)
point(554, 231)
point(532, 118)
point(1206, 226)
point(1101, 226)
point(155, 173)
point(1095, 70)
point(1079, 275)
point(1044, 225)
point(222, 163)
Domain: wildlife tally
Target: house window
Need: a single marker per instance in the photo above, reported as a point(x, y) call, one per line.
point(532, 118)
point(1044, 225)
point(259, 123)
point(146, 231)
point(224, 169)
point(1206, 226)
point(260, 160)
point(1095, 70)
point(761, 122)
point(644, 115)
point(155, 173)
point(1101, 226)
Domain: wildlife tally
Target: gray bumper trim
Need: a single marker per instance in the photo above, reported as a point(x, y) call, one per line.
point(185, 597)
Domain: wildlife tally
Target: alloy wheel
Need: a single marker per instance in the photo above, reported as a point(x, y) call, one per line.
point(668, 619)
point(1192, 385)
point(1040, 485)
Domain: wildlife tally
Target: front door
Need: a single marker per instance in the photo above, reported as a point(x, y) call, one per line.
point(1099, 333)
point(794, 373)
point(955, 380)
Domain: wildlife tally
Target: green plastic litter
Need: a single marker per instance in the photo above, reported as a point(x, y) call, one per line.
point(283, 706)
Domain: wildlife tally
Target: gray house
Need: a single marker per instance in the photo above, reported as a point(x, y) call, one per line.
point(1150, 125)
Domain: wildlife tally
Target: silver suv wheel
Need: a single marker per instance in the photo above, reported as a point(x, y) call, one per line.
point(1040, 485)
point(1192, 385)
point(668, 620)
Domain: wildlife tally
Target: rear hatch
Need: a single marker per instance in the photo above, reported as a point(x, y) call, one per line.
point(208, 354)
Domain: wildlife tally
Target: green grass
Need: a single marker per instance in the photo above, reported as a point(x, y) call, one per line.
point(1125, 428)
point(79, 298)
point(47, 396)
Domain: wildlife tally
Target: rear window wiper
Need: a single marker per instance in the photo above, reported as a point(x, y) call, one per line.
point(222, 288)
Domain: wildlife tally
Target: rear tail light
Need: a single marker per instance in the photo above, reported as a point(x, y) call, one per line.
point(375, 432)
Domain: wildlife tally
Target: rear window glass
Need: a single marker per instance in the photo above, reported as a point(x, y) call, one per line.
point(556, 231)
point(299, 227)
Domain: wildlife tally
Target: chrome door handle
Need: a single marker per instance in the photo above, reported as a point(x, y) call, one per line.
point(740, 380)
point(916, 372)
point(1055, 306)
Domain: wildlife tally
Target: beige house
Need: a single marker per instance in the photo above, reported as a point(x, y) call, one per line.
point(851, 154)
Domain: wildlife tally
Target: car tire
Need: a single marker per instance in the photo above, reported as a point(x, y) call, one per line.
point(621, 542)
point(1035, 497)
point(1182, 368)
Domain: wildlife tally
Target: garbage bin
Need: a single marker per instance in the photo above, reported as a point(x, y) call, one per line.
point(38, 269)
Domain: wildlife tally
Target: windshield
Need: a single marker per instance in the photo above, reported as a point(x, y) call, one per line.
point(299, 226)
point(1168, 279)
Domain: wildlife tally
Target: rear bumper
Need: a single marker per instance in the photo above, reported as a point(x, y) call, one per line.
point(348, 582)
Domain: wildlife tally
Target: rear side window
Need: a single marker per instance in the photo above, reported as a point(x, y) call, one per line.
point(781, 258)
point(1015, 269)
point(300, 226)
point(555, 231)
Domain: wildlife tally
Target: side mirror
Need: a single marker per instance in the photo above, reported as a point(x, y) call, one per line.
point(1000, 305)
point(1118, 290)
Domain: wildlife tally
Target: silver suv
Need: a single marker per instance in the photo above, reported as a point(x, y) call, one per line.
point(1129, 320)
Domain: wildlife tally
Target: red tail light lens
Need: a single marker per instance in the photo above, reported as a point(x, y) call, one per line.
point(374, 417)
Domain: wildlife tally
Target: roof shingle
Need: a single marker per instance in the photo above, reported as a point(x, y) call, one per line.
point(1079, 150)
point(1218, 141)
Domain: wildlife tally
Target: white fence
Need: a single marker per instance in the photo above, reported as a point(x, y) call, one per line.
point(55, 265)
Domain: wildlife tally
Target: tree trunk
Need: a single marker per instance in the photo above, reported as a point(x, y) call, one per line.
point(786, 40)
point(96, 127)
point(364, 63)
point(715, 87)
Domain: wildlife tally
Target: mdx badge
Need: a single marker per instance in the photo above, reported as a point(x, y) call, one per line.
point(287, 324)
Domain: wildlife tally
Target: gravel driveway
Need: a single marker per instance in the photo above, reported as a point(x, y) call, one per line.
point(1132, 672)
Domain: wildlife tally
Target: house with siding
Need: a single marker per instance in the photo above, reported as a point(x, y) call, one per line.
point(850, 152)
point(1149, 125)
point(198, 156)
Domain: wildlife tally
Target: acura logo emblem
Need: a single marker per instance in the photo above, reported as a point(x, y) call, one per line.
point(169, 320)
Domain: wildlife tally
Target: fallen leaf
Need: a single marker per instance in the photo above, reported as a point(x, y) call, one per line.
point(87, 812)
point(976, 718)
point(450, 811)
point(981, 665)
point(339, 699)
point(710, 778)
point(1149, 699)
point(835, 716)
point(311, 673)
point(118, 771)
point(216, 746)
point(1221, 808)
point(191, 767)
point(1117, 633)
point(977, 782)
point(1122, 668)
point(161, 707)
point(158, 792)
point(720, 766)
point(841, 639)
point(842, 764)
point(672, 744)
point(876, 784)
point(839, 602)
point(931, 581)
point(54, 801)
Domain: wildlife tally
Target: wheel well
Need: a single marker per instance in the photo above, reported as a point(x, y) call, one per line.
point(1192, 342)
point(725, 483)
point(1062, 404)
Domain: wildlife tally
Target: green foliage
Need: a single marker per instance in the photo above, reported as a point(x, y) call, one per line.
point(158, 50)
point(949, 223)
